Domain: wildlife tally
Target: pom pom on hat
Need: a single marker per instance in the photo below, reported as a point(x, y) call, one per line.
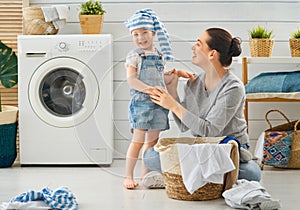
point(148, 20)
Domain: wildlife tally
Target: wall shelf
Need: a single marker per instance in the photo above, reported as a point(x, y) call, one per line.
point(246, 61)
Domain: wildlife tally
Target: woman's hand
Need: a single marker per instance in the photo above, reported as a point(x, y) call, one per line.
point(161, 97)
point(164, 99)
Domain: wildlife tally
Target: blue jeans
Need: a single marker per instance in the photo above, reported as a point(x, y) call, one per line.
point(248, 170)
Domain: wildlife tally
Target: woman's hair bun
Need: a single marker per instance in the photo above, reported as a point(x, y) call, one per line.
point(235, 47)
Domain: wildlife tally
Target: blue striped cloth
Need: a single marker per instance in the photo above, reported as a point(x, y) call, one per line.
point(60, 198)
point(147, 19)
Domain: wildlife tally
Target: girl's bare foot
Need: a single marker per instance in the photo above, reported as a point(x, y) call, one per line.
point(129, 183)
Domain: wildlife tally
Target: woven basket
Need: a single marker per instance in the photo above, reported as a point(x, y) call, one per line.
point(175, 189)
point(261, 47)
point(171, 171)
point(294, 161)
point(8, 151)
point(8, 131)
point(295, 47)
point(35, 24)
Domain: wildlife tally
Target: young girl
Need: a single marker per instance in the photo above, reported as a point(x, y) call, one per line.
point(145, 70)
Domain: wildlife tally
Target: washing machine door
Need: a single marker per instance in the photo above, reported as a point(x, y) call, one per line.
point(63, 92)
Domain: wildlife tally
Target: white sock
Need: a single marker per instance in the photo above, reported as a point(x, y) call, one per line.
point(261, 199)
point(246, 155)
point(270, 205)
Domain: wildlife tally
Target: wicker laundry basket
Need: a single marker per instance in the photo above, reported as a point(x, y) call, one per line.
point(35, 24)
point(171, 171)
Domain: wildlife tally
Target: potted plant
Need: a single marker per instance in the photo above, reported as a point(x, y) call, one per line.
point(295, 43)
point(261, 42)
point(8, 114)
point(91, 17)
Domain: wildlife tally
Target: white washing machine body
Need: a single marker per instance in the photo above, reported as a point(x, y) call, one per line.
point(65, 99)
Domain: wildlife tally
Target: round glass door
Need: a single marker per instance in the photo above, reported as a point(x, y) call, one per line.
point(63, 92)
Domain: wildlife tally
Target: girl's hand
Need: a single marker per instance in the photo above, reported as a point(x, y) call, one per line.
point(185, 74)
point(170, 77)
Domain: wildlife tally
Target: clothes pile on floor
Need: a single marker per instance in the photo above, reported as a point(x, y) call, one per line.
point(61, 199)
point(250, 195)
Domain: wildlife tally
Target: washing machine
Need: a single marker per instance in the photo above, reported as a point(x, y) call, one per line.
point(65, 99)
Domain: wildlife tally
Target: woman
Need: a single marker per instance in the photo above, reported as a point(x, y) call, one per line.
point(213, 101)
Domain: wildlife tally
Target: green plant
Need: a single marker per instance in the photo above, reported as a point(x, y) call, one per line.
point(296, 34)
point(260, 33)
point(8, 68)
point(92, 8)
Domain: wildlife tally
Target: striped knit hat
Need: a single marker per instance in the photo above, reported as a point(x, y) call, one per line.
point(147, 19)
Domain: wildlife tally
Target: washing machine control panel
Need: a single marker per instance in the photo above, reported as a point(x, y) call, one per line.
point(79, 45)
point(63, 45)
point(89, 45)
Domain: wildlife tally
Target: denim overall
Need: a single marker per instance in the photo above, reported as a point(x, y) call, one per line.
point(143, 113)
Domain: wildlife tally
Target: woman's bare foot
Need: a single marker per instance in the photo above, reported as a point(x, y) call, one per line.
point(129, 183)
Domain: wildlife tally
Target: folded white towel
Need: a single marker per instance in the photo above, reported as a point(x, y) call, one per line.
point(50, 14)
point(59, 24)
point(204, 163)
point(62, 11)
point(57, 14)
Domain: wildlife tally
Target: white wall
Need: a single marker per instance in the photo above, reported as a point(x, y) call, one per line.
point(185, 20)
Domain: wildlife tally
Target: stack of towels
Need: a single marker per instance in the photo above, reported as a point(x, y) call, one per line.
point(57, 14)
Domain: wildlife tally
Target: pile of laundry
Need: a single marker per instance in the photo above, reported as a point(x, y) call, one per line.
point(250, 195)
point(57, 14)
point(204, 163)
point(60, 199)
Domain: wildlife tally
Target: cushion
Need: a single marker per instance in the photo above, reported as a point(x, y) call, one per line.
point(274, 82)
point(292, 95)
